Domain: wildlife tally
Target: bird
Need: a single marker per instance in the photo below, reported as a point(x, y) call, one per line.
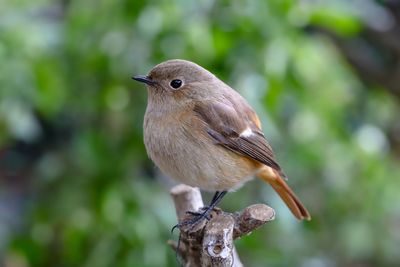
point(201, 132)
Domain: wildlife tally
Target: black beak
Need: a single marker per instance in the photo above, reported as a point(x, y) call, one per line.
point(143, 79)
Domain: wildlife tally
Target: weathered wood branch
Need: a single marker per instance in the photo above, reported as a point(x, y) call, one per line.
point(210, 243)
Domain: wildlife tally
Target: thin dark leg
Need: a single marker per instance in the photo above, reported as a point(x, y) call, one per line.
point(215, 197)
point(196, 213)
point(204, 214)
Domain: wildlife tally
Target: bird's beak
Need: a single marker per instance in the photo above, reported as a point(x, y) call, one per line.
point(143, 79)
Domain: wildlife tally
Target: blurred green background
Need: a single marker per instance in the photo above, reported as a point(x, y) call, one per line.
point(76, 186)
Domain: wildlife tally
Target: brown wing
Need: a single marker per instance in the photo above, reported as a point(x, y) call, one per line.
point(225, 125)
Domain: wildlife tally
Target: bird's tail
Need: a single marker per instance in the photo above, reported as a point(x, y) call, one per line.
point(279, 185)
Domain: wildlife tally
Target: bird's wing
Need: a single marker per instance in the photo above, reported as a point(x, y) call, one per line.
point(237, 127)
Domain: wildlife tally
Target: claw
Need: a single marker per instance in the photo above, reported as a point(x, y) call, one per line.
point(174, 227)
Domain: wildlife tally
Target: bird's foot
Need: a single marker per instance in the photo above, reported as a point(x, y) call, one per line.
point(201, 212)
point(197, 217)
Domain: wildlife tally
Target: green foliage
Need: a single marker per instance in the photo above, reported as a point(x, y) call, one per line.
point(91, 197)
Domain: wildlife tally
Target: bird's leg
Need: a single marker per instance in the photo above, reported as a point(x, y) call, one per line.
point(197, 213)
point(204, 213)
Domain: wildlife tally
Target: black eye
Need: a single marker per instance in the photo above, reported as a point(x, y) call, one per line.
point(176, 83)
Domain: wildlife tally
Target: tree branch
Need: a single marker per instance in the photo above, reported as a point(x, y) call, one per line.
point(211, 243)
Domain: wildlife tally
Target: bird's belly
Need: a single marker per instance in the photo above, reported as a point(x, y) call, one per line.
point(197, 161)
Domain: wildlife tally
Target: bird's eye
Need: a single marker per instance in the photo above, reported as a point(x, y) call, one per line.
point(176, 83)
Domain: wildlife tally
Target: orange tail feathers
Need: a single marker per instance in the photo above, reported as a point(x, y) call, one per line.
point(279, 185)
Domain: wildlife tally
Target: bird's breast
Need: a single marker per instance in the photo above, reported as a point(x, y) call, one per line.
point(180, 146)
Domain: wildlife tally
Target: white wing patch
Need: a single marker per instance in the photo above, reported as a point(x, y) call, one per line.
point(246, 133)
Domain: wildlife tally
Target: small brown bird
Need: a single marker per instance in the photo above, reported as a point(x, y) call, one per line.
point(203, 133)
